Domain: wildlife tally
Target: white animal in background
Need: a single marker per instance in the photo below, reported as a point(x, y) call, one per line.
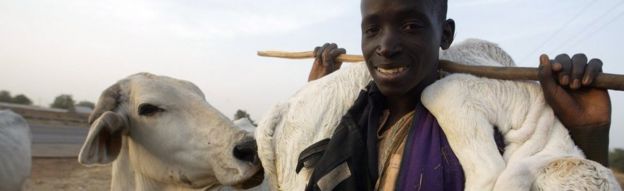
point(539, 153)
point(161, 134)
point(15, 153)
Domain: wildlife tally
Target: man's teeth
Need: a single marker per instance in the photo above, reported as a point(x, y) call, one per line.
point(391, 71)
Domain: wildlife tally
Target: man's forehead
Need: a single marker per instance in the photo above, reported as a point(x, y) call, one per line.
point(369, 7)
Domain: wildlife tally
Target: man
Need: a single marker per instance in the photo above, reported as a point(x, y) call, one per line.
point(381, 137)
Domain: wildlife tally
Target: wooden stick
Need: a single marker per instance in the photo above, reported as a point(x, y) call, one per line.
point(308, 54)
point(603, 80)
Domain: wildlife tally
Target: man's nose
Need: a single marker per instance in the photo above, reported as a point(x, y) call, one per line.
point(389, 44)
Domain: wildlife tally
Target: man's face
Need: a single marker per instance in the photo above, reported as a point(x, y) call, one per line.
point(400, 42)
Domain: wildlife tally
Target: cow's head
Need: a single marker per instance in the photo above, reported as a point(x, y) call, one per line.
point(173, 134)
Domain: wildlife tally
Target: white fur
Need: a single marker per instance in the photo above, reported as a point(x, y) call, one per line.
point(466, 107)
point(15, 154)
point(309, 116)
point(188, 146)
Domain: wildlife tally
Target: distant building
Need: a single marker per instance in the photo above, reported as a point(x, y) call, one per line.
point(83, 110)
point(61, 117)
point(4, 105)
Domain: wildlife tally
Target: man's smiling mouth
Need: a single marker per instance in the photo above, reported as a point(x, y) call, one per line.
point(391, 71)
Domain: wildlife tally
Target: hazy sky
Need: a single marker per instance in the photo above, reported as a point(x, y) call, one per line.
point(50, 47)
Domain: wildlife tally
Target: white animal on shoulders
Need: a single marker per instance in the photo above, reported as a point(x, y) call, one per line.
point(539, 153)
point(161, 134)
point(15, 153)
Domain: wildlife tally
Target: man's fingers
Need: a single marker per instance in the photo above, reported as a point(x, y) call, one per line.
point(318, 51)
point(556, 67)
point(579, 61)
point(560, 100)
point(593, 68)
point(315, 52)
point(328, 49)
point(335, 53)
point(545, 73)
point(566, 66)
point(328, 60)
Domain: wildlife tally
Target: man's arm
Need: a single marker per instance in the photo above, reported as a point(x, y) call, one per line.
point(584, 111)
point(325, 60)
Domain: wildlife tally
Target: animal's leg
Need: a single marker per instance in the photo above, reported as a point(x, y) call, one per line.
point(516, 177)
point(575, 174)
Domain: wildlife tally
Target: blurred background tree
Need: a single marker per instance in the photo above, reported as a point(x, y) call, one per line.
point(64, 101)
point(616, 159)
point(5, 96)
point(21, 99)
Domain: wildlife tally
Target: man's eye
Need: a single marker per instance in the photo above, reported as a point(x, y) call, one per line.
point(147, 109)
point(411, 26)
point(371, 30)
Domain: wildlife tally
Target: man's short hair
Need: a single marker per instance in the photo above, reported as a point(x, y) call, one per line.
point(441, 7)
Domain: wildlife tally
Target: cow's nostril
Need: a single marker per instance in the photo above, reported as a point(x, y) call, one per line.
point(247, 151)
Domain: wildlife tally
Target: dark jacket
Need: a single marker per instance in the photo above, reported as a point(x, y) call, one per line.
point(343, 163)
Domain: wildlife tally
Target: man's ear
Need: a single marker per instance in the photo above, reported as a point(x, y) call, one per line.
point(103, 142)
point(448, 34)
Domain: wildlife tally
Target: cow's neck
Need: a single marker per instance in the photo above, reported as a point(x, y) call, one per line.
point(122, 173)
point(146, 183)
point(125, 178)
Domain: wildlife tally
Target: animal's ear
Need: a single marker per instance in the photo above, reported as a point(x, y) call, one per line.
point(109, 100)
point(104, 141)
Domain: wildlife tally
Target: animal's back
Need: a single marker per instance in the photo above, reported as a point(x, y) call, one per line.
point(15, 157)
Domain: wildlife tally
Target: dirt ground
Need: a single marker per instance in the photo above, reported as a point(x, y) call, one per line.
point(620, 178)
point(67, 175)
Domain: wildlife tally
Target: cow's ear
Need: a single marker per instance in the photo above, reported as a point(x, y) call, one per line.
point(104, 141)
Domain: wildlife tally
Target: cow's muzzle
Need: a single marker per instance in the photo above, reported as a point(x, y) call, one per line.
point(247, 151)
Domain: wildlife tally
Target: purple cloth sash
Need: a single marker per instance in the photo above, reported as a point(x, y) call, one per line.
point(428, 162)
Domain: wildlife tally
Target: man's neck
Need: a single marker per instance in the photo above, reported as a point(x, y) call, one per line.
point(399, 107)
point(402, 105)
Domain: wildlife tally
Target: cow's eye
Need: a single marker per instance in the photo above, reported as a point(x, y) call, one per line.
point(147, 109)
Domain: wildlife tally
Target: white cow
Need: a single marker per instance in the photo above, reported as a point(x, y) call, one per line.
point(15, 153)
point(161, 134)
point(539, 152)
